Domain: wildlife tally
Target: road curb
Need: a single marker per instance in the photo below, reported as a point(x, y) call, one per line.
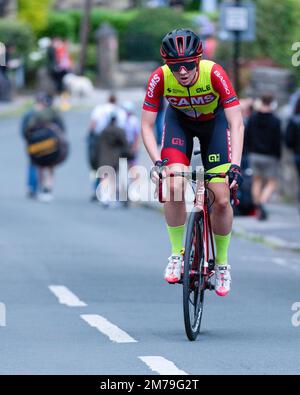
point(270, 241)
point(15, 109)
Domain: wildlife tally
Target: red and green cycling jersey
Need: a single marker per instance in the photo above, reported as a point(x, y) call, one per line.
point(200, 101)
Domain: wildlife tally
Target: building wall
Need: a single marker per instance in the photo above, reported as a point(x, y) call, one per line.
point(9, 6)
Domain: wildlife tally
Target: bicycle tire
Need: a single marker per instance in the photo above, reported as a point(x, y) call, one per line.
point(193, 310)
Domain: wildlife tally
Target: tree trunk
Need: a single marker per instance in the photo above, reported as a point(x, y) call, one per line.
point(84, 33)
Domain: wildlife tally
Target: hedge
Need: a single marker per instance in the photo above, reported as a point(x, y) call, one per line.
point(140, 30)
point(142, 38)
point(60, 24)
point(17, 34)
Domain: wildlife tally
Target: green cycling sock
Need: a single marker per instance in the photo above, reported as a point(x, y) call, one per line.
point(222, 244)
point(176, 237)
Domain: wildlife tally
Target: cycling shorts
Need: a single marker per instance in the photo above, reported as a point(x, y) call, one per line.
point(214, 137)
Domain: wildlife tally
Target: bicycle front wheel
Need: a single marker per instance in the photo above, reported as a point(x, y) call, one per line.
point(193, 279)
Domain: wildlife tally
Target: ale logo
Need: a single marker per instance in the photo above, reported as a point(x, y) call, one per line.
point(214, 158)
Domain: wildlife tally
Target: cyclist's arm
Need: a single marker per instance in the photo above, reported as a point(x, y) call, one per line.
point(230, 103)
point(148, 135)
point(155, 89)
point(236, 127)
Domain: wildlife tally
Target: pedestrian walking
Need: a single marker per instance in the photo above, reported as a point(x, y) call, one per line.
point(263, 143)
point(132, 130)
point(110, 147)
point(44, 132)
point(100, 119)
point(60, 64)
point(292, 138)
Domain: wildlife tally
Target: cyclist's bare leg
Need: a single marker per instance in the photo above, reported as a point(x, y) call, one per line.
point(174, 208)
point(221, 218)
point(175, 213)
point(222, 213)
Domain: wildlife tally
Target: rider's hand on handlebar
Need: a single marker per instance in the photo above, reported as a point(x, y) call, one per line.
point(157, 169)
point(234, 176)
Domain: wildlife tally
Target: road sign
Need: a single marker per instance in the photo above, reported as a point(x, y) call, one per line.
point(237, 18)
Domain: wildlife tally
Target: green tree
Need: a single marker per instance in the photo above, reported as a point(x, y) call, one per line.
point(34, 12)
point(277, 25)
point(16, 34)
point(60, 24)
point(277, 28)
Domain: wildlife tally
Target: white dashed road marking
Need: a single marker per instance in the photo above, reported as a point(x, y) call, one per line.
point(107, 328)
point(162, 366)
point(65, 296)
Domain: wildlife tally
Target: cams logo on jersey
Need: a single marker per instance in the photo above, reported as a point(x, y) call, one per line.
point(194, 101)
point(152, 85)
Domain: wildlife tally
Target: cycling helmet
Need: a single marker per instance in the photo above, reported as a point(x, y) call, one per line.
point(180, 44)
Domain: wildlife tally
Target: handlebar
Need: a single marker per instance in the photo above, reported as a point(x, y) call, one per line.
point(193, 176)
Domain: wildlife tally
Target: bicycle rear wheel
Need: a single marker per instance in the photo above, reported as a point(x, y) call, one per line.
point(193, 279)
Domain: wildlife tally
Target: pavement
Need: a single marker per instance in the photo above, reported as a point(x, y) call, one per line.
point(84, 292)
point(281, 230)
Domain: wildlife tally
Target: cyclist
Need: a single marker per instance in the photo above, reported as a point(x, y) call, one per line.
point(203, 104)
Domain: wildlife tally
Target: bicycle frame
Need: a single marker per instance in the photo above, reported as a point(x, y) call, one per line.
point(201, 205)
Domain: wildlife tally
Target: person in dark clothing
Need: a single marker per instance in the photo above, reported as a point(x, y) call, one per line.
point(112, 145)
point(263, 144)
point(59, 63)
point(40, 180)
point(5, 84)
point(292, 139)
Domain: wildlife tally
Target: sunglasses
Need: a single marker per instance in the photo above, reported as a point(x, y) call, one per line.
point(175, 67)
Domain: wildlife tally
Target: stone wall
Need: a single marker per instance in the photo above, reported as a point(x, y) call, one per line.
point(279, 82)
point(114, 4)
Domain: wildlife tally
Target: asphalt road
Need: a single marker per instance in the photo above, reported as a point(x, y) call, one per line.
point(117, 315)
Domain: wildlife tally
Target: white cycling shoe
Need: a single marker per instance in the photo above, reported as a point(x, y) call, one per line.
point(223, 280)
point(174, 268)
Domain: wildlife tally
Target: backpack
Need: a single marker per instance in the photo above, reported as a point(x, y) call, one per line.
point(47, 145)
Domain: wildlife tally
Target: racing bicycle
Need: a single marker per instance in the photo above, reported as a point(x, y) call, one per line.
point(199, 252)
